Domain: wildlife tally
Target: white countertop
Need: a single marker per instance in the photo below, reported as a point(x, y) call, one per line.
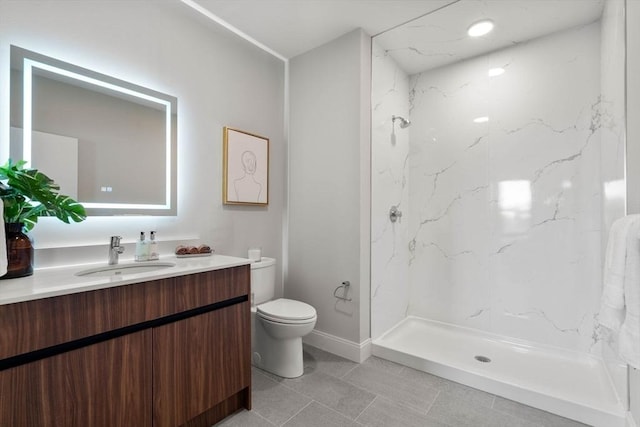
point(51, 282)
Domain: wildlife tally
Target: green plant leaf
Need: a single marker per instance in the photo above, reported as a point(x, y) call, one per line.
point(29, 193)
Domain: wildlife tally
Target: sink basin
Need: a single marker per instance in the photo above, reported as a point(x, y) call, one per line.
point(122, 269)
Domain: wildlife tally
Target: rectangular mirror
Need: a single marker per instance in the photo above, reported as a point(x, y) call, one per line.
point(108, 143)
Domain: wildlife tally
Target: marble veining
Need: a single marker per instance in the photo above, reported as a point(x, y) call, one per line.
point(499, 232)
point(512, 182)
point(391, 164)
point(442, 36)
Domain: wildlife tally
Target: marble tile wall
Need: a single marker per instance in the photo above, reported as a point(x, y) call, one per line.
point(389, 181)
point(613, 138)
point(505, 192)
point(501, 188)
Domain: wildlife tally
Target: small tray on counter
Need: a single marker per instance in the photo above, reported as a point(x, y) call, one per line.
point(194, 255)
point(193, 251)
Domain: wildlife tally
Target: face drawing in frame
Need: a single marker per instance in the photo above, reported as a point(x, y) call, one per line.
point(246, 168)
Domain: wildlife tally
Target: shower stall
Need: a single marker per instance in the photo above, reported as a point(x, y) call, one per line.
point(497, 170)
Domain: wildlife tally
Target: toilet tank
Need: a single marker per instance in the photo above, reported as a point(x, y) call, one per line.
point(263, 280)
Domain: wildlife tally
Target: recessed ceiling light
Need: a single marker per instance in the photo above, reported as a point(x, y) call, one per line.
point(480, 28)
point(494, 72)
point(482, 119)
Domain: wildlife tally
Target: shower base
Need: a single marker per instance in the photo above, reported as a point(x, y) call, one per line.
point(566, 383)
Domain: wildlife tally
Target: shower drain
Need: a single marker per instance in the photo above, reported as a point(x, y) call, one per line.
point(483, 359)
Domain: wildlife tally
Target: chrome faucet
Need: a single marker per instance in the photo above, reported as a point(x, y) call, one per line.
point(115, 249)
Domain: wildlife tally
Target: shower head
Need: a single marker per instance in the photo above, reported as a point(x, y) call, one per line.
point(404, 123)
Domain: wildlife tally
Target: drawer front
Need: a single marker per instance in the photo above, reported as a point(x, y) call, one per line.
point(33, 325)
point(38, 324)
point(102, 385)
point(199, 362)
point(197, 290)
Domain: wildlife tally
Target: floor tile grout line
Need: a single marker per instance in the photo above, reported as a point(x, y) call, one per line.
point(433, 402)
point(340, 413)
point(417, 409)
point(398, 375)
point(312, 399)
point(294, 415)
point(284, 384)
point(264, 418)
point(297, 392)
point(294, 390)
point(400, 378)
point(398, 402)
point(349, 371)
point(335, 378)
point(367, 407)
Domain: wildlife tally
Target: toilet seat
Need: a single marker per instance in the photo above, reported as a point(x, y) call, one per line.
point(287, 311)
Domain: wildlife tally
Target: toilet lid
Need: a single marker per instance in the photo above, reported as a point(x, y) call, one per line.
point(287, 309)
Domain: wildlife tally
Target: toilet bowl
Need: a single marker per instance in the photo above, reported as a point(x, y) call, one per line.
point(278, 325)
point(279, 336)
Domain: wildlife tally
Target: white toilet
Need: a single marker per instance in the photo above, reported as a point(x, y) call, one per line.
point(277, 325)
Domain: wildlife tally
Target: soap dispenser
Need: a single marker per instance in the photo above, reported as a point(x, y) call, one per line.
point(142, 249)
point(153, 248)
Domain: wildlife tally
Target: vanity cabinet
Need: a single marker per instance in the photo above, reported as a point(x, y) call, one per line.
point(170, 352)
point(182, 389)
point(105, 384)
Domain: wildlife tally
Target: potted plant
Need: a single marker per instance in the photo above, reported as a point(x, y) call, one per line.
point(28, 194)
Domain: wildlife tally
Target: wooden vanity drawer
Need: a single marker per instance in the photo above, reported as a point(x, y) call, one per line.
point(38, 324)
point(197, 290)
point(102, 385)
point(199, 362)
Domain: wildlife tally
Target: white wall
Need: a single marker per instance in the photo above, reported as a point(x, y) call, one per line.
point(219, 80)
point(329, 184)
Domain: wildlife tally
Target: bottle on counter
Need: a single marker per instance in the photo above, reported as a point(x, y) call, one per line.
point(142, 249)
point(153, 247)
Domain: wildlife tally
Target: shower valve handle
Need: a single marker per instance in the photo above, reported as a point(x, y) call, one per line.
point(394, 214)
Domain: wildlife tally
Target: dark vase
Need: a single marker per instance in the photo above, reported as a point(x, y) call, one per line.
point(19, 252)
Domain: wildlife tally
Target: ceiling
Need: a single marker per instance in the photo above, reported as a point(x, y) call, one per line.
point(292, 27)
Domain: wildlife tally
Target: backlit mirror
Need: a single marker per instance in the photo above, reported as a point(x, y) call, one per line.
point(110, 144)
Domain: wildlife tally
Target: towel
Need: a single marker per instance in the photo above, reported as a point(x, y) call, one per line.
point(3, 243)
point(620, 303)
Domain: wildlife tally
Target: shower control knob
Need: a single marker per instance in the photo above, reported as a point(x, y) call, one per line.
point(394, 214)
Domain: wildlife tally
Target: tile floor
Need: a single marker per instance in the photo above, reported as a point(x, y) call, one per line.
point(337, 392)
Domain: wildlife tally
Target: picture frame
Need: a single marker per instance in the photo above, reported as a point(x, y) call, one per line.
point(246, 168)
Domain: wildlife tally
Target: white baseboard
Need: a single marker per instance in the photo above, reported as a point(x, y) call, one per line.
point(339, 346)
point(630, 421)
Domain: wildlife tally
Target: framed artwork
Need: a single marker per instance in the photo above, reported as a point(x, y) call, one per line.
point(246, 168)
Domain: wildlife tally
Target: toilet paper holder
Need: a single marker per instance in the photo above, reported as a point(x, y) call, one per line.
point(345, 285)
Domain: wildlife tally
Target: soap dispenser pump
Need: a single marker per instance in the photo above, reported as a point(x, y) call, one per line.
point(153, 248)
point(142, 249)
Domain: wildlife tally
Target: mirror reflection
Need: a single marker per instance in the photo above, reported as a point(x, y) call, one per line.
point(109, 144)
